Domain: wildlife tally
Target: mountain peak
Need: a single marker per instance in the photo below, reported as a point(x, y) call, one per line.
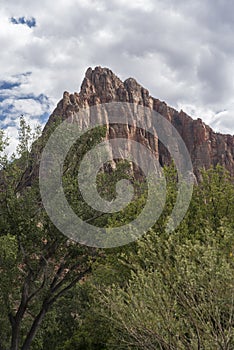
point(100, 82)
point(98, 70)
point(100, 74)
point(101, 85)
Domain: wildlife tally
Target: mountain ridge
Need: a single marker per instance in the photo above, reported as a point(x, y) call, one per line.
point(207, 148)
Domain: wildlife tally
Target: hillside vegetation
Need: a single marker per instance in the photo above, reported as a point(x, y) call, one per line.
point(163, 291)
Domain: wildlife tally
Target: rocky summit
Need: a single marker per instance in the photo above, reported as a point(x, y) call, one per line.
point(100, 85)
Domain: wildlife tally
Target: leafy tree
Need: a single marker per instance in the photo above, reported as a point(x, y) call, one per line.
point(38, 265)
point(179, 294)
point(164, 291)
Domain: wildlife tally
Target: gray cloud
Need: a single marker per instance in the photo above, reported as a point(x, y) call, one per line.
point(180, 50)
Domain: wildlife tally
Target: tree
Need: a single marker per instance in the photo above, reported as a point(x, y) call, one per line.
point(38, 265)
point(181, 287)
point(164, 291)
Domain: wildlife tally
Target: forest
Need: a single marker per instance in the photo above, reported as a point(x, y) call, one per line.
point(168, 291)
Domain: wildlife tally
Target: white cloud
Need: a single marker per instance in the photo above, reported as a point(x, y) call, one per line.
point(181, 51)
point(223, 122)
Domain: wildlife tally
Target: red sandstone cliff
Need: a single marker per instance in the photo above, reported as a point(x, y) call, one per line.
point(101, 85)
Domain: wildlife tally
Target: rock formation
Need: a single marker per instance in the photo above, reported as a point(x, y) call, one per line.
point(100, 85)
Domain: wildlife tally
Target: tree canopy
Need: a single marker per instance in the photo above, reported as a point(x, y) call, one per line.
point(163, 291)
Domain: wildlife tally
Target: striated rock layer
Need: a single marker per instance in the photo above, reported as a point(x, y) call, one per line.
point(206, 147)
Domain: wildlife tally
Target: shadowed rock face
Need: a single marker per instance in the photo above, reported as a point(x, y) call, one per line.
point(101, 85)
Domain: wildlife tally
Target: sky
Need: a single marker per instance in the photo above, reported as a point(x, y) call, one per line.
point(182, 51)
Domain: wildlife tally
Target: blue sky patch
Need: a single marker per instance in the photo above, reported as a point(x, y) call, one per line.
point(5, 85)
point(30, 22)
point(14, 102)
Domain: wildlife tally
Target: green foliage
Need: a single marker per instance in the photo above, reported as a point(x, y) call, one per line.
point(181, 287)
point(164, 291)
point(38, 265)
point(183, 299)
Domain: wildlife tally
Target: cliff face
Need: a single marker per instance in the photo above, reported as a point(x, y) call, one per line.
point(101, 85)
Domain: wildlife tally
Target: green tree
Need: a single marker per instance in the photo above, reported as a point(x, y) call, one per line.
point(180, 288)
point(38, 265)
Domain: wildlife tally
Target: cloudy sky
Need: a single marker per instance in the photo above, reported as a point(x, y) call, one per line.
point(181, 50)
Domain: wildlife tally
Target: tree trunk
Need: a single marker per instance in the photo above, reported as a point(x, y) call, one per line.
point(15, 330)
point(17, 319)
point(36, 324)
